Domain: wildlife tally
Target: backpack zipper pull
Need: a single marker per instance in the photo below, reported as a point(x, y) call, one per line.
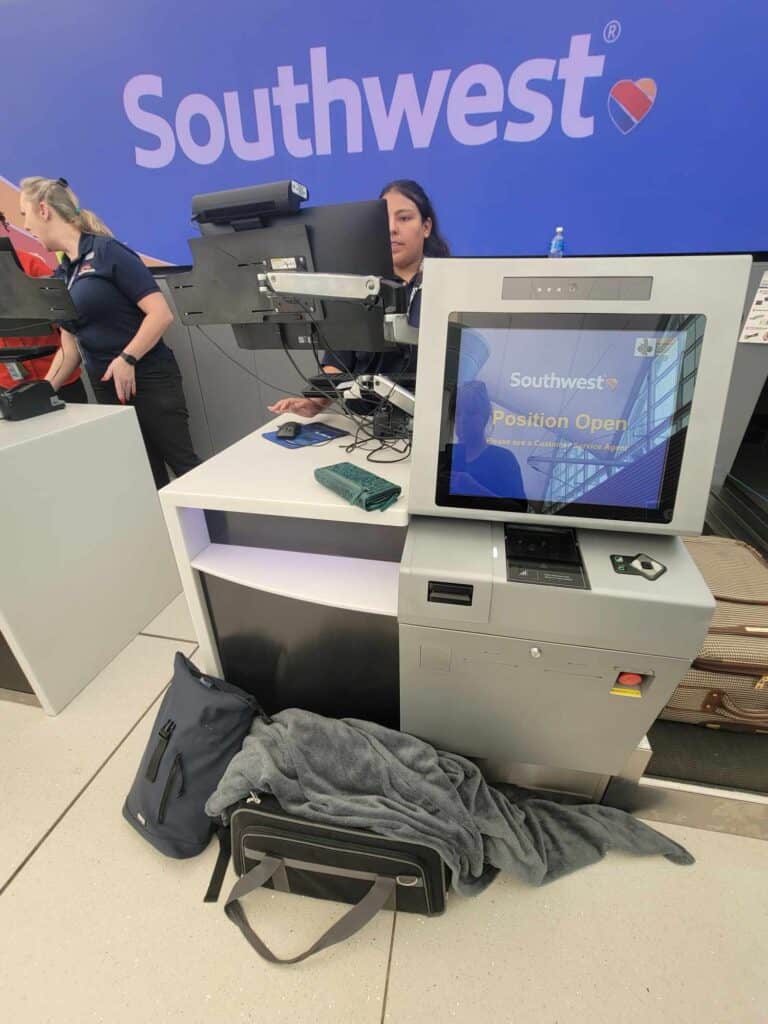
point(253, 799)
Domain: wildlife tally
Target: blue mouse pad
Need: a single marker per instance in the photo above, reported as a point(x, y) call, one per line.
point(311, 433)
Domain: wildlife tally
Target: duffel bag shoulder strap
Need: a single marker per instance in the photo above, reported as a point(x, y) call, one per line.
point(355, 918)
point(220, 867)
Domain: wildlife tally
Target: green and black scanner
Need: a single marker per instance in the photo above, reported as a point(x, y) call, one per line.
point(32, 397)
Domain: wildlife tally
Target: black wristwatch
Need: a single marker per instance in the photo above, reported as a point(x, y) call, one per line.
point(131, 360)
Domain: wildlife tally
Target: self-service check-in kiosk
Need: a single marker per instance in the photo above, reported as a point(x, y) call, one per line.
point(566, 425)
point(566, 420)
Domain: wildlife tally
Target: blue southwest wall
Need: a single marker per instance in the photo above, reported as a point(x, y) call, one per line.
point(638, 126)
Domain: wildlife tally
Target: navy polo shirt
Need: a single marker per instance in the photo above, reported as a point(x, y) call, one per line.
point(106, 283)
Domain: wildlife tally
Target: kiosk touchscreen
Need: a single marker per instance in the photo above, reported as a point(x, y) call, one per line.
point(591, 391)
point(569, 414)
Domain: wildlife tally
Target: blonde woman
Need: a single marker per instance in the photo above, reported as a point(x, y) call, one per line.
point(121, 317)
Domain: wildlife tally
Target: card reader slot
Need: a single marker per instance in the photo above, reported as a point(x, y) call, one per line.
point(449, 593)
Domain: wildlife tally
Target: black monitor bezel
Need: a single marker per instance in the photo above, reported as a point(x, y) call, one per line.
point(662, 514)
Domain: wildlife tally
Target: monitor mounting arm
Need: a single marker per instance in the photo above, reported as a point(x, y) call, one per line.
point(368, 290)
point(387, 389)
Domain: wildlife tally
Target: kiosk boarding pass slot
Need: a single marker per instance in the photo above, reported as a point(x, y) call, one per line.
point(449, 593)
point(545, 555)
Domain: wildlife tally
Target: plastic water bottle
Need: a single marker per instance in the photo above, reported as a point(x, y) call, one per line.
point(557, 245)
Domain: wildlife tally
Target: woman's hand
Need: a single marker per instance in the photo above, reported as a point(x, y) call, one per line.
point(123, 376)
point(299, 406)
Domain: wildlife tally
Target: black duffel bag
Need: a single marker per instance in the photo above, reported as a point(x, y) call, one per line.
point(199, 728)
point(290, 854)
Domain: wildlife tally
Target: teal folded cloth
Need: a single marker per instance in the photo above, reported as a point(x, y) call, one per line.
point(359, 487)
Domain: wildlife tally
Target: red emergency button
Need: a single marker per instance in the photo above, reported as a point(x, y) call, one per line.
point(629, 679)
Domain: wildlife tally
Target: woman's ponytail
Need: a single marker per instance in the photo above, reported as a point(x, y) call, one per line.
point(87, 222)
point(60, 197)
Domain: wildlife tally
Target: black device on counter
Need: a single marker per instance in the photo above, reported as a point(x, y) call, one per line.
point(390, 423)
point(245, 208)
point(288, 431)
point(28, 399)
point(323, 385)
point(32, 397)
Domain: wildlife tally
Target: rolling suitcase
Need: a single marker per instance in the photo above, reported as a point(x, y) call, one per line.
point(727, 685)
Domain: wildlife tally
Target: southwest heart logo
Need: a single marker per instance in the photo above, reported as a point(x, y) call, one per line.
point(629, 102)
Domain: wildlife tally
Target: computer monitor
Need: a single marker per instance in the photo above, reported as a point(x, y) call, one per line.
point(583, 392)
point(29, 305)
point(222, 287)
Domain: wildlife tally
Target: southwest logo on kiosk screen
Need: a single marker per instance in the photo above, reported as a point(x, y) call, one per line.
point(287, 110)
point(554, 382)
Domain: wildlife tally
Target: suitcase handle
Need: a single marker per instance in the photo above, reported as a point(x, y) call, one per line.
point(716, 700)
point(732, 668)
point(355, 918)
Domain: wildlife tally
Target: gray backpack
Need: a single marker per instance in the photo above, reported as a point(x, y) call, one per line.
point(200, 726)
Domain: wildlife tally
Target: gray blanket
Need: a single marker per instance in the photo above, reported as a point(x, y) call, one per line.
point(357, 774)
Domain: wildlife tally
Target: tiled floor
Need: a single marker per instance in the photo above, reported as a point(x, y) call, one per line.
point(47, 761)
point(95, 926)
point(174, 623)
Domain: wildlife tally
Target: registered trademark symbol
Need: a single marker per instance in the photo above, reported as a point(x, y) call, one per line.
point(612, 31)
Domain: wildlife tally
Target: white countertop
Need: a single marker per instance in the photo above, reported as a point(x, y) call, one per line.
point(15, 432)
point(259, 477)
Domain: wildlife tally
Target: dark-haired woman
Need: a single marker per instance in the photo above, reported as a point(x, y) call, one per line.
point(414, 234)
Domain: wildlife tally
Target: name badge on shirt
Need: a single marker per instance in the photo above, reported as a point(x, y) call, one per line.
point(84, 268)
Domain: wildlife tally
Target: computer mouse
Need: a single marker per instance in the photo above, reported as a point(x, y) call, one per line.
point(287, 431)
